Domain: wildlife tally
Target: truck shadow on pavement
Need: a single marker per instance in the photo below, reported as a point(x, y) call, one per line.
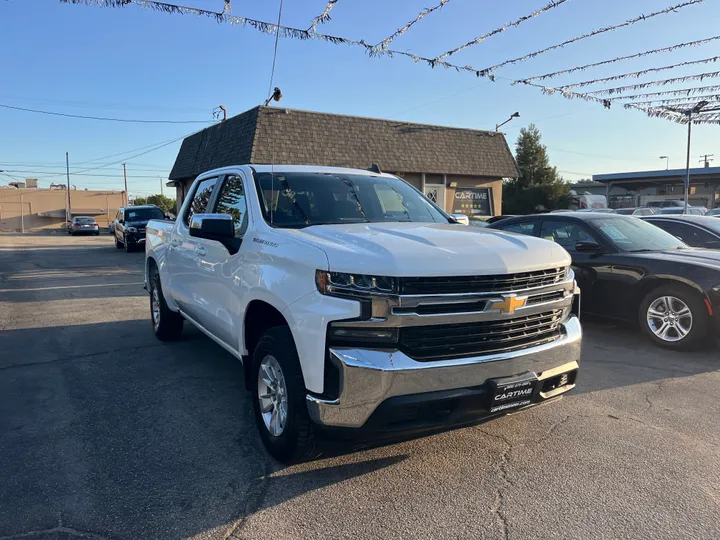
point(127, 437)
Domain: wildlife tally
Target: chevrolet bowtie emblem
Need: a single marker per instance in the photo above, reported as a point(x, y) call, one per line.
point(510, 304)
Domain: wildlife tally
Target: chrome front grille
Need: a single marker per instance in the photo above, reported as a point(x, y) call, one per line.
point(482, 284)
point(443, 342)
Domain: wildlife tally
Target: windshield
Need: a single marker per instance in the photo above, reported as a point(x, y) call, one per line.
point(625, 211)
point(303, 199)
point(84, 220)
point(632, 235)
point(143, 214)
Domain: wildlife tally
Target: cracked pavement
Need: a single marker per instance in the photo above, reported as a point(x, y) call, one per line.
point(106, 433)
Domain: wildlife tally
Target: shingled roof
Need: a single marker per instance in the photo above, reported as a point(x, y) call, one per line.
point(270, 134)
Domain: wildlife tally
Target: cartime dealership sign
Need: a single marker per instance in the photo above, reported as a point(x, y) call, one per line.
point(472, 201)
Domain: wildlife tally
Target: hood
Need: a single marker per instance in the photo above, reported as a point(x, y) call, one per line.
point(702, 257)
point(430, 249)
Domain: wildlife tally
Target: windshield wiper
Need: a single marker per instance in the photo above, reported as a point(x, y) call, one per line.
point(348, 183)
point(290, 194)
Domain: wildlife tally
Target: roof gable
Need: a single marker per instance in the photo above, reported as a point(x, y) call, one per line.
point(277, 135)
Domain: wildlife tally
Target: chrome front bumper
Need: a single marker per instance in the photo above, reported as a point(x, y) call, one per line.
point(370, 377)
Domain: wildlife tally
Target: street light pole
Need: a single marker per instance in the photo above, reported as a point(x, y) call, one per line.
point(687, 164)
point(667, 161)
point(513, 115)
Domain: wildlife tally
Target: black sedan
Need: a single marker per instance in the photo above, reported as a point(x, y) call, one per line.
point(630, 270)
point(695, 231)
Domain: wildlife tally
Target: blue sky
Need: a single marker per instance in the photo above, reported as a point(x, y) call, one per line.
point(136, 63)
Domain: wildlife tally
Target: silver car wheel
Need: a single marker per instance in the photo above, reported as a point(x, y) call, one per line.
point(272, 395)
point(155, 308)
point(669, 318)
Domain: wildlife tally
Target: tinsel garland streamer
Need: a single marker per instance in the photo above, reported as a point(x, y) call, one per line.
point(636, 74)
point(324, 16)
point(681, 92)
point(670, 9)
point(619, 59)
point(641, 86)
point(679, 101)
point(480, 39)
point(399, 32)
point(653, 112)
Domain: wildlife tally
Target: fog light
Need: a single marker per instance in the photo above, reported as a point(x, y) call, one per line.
point(360, 336)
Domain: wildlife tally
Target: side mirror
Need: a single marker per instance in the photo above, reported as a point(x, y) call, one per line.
point(588, 247)
point(462, 219)
point(218, 227)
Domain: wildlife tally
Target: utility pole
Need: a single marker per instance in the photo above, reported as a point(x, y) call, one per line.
point(67, 170)
point(126, 191)
point(707, 158)
point(161, 186)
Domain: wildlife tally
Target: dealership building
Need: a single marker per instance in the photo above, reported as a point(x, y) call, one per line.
point(460, 169)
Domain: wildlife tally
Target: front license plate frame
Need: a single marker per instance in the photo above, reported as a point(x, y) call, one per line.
point(510, 393)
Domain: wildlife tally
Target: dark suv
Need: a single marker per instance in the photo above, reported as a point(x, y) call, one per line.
point(129, 225)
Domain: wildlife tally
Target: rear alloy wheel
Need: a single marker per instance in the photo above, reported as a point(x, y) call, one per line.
point(166, 323)
point(674, 318)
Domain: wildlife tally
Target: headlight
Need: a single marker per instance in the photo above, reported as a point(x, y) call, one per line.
point(131, 229)
point(570, 273)
point(341, 283)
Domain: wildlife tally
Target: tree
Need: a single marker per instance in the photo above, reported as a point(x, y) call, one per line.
point(166, 204)
point(539, 186)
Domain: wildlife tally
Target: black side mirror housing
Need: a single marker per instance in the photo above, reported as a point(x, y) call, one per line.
point(218, 227)
point(588, 247)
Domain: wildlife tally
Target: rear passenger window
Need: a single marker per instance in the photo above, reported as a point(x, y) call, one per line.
point(201, 199)
point(526, 227)
point(232, 201)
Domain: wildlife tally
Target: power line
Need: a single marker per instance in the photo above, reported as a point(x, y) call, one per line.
point(86, 105)
point(277, 38)
point(671, 9)
point(124, 120)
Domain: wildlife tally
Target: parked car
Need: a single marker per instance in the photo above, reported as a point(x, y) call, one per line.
point(129, 225)
point(695, 231)
point(355, 303)
point(667, 203)
point(598, 210)
point(83, 225)
point(675, 210)
point(715, 212)
point(630, 270)
point(641, 211)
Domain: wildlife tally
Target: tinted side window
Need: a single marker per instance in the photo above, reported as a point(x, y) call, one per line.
point(565, 233)
point(232, 201)
point(524, 227)
point(201, 198)
point(692, 236)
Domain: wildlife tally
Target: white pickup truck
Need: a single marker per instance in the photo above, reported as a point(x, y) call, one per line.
point(357, 304)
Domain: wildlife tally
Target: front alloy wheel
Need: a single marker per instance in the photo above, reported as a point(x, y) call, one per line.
point(675, 317)
point(669, 318)
point(272, 395)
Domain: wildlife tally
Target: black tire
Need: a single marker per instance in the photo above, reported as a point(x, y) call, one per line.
point(118, 243)
point(296, 442)
point(97, 233)
point(128, 247)
point(697, 335)
point(170, 325)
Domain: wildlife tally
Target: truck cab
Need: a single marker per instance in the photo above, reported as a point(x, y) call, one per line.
point(356, 304)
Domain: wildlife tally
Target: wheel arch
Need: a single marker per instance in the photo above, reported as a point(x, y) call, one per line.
point(653, 282)
point(259, 317)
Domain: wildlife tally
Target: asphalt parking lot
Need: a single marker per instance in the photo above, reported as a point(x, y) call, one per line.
point(106, 433)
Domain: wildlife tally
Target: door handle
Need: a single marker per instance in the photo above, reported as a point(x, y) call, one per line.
point(200, 251)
